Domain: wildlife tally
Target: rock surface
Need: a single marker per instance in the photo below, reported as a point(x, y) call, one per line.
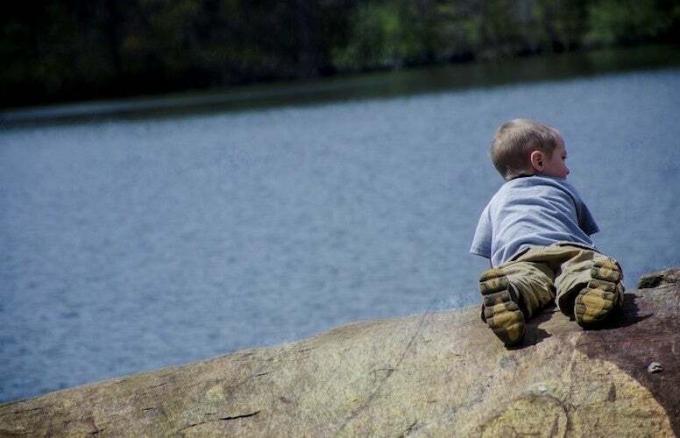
point(437, 374)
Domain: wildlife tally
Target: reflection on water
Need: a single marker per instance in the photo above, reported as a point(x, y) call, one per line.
point(375, 85)
point(134, 244)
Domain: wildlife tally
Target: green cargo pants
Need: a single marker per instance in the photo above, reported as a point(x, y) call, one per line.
point(538, 275)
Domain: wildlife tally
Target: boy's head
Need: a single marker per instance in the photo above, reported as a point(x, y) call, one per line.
point(526, 147)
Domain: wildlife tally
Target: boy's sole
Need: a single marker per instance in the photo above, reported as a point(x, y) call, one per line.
point(501, 312)
point(595, 303)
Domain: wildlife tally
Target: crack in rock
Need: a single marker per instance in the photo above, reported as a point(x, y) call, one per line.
point(227, 418)
point(367, 402)
point(236, 417)
point(410, 429)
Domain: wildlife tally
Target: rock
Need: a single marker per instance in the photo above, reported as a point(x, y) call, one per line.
point(654, 367)
point(656, 279)
point(436, 374)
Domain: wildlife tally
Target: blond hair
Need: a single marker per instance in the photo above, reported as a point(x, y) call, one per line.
point(516, 140)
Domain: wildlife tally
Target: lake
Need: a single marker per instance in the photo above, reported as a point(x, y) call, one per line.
point(144, 233)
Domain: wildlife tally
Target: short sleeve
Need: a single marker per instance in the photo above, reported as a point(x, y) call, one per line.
point(481, 242)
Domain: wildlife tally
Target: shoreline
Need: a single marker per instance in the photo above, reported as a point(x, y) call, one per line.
point(354, 86)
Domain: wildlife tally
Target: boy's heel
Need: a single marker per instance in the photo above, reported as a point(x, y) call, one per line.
point(500, 309)
point(601, 296)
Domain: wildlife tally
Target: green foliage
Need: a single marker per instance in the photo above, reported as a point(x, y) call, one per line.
point(626, 21)
point(74, 49)
point(377, 39)
point(560, 25)
point(458, 30)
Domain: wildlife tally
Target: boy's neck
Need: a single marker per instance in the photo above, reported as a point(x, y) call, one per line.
point(526, 175)
point(522, 175)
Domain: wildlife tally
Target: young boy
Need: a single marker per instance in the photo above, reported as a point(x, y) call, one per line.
point(536, 232)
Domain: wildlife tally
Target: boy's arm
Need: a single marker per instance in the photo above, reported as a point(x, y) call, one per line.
point(481, 242)
point(586, 220)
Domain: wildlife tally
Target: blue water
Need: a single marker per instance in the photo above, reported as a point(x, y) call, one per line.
point(129, 245)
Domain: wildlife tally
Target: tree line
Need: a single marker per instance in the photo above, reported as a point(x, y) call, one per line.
point(81, 49)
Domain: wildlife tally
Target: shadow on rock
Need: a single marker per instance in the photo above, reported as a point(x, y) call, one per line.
point(642, 343)
point(629, 315)
point(535, 334)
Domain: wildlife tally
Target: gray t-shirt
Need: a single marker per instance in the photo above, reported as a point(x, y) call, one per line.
point(531, 211)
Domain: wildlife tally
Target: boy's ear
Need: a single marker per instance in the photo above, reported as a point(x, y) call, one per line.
point(537, 160)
